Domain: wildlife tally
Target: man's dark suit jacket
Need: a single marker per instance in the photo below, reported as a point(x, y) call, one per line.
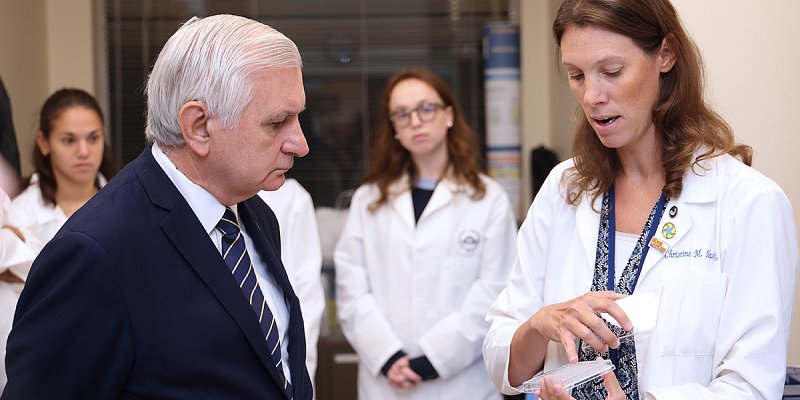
point(131, 300)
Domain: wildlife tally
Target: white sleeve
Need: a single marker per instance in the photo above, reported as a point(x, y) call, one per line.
point(362, 320)
point(15, 255)
point(524, 294)
point(454, 343)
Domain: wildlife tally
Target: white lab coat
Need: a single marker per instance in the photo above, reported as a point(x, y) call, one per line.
point(38, 222)
point(17, 259)
point(728, 278)
point(301, 256)
point(423, 288)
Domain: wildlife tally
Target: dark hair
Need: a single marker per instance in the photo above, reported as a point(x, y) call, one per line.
point(390, 160)
point(684, 122)
point(52, 108)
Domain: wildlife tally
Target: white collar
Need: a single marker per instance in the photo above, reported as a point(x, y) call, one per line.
point(204, 205)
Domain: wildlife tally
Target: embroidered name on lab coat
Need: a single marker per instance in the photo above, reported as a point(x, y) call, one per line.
point(692, 253)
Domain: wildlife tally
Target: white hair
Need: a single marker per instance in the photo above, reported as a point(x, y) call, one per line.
point(210, 60)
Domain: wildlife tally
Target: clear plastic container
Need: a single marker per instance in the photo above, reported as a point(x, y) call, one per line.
point(570, 375)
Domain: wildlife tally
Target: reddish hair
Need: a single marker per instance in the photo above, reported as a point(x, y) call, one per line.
point(390, 160)
point(684, 122)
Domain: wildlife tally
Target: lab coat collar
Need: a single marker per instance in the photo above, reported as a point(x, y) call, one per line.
point(587, 221)
point(52, 213)
point(697, 188)
point(401, 202)
point(444, 193)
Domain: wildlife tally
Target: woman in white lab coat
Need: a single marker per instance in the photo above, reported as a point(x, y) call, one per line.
point(427, 246)
point(11, 256)
point(654, 198)
point(71, 163)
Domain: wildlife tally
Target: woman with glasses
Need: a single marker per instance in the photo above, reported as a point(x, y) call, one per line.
point(427, 246)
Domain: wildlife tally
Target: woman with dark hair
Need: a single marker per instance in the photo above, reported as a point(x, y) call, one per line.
point(658, 198)
point(427, 245)
point(71, 163)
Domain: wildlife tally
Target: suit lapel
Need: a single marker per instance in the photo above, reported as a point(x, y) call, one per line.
point(261, 225)
point(190, 239)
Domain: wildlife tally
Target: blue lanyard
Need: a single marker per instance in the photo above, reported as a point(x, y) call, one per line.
point(612, 232)
point(612, 228)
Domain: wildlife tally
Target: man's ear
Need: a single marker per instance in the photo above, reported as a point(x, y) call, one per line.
point(193, 120)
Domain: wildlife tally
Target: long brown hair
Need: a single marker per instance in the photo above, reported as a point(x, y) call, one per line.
point(390, 160)
point(684, 122)
point(52, 108)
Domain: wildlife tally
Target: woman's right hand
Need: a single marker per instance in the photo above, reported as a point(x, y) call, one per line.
point(400, 374)
point(552, 390)
point(578, 318)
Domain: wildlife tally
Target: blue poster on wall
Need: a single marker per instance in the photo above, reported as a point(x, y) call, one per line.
point(502, 87)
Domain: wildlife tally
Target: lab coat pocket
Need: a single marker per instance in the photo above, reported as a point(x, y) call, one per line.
point(691, 304)
point(458, 273)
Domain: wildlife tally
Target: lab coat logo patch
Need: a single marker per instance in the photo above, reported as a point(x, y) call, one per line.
point(469, 240)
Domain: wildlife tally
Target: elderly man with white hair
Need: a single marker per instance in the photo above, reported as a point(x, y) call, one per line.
point(169, 284)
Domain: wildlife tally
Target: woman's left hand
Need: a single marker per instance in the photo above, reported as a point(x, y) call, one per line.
point(552, 390)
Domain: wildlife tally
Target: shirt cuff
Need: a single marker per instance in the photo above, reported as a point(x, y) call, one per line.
point(391, 361)
point(423, 367)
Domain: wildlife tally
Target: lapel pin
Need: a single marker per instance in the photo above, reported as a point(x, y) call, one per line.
point(658, 245)
point(668, 230)
point(673, 211)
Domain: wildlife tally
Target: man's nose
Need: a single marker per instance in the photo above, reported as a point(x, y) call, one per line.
point(297, 143)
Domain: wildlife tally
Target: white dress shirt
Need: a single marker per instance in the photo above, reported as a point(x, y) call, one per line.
point(209, 211)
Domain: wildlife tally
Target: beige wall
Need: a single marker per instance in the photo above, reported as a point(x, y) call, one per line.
point(70, 56)
point(751, 54)
point(548, 106)
point(24, 66)
point(46, 45)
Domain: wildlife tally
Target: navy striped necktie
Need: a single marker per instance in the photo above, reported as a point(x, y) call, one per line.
point(235, 254)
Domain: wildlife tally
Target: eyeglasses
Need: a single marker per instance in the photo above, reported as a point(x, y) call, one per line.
point(425, 113)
